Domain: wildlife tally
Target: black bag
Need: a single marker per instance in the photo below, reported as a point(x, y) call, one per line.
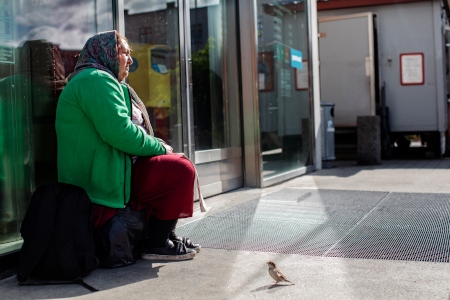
point(119, 240)
point(58, 236)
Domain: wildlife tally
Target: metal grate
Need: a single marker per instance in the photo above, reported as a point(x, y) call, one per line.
point(357, 224)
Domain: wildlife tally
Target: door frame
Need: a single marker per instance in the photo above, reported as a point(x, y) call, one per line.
point(186, 79)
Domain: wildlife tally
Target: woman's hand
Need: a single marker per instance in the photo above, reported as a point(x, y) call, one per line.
point(169, 149)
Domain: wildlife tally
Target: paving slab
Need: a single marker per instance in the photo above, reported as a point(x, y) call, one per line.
point(228, 274)
point(242, 274)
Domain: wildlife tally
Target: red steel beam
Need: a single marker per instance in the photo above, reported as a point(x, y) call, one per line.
point(335, 4)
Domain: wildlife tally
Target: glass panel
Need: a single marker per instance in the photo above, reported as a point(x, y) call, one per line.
point(284, 88)
point(214, 74)
point(39, 44)
point(152, 29)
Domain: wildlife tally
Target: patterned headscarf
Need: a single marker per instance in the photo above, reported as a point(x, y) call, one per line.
point(99, 52)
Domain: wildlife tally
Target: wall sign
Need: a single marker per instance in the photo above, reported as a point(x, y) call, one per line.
point(412, 69)
point(302, 77)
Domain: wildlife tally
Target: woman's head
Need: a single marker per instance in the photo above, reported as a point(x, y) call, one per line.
point(102, 51)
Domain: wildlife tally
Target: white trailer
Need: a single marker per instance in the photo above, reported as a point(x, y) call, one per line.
point(389, 60)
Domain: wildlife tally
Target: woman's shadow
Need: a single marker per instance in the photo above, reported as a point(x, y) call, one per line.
point(105, 279)
point(100, 279)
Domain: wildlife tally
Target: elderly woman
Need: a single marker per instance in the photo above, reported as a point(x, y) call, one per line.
point(106, 146)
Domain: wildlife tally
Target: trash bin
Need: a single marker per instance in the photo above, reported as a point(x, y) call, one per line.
point(328, 155)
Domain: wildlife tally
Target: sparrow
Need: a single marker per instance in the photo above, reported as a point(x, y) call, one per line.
point(276, 274)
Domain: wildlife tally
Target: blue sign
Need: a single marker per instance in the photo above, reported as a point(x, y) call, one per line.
point(296, 59)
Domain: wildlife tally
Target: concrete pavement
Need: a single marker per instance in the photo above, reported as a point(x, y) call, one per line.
point(230, 274)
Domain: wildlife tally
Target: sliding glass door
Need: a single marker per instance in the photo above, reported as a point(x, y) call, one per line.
point(153, 30)
point(284, 87)
point(215, 95)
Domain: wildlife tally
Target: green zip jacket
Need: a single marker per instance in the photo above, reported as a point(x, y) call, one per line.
point(96, 137)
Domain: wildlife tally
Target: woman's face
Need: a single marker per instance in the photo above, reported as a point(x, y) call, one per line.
point(125, 60)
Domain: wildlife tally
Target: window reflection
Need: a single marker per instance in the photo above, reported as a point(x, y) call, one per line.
point(284, 92)
point(39, 46)
point(152, 29)
point(214, 74)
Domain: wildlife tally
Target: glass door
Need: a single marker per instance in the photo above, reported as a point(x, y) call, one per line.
point(185, 70)
point(215, 94)
point(284, 88)
point(153, 30)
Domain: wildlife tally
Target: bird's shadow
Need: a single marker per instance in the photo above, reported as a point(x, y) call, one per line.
point(269, 287)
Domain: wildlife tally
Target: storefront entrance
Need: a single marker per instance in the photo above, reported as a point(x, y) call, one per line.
point(185, 70)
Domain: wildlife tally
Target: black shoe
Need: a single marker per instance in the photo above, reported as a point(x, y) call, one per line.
point(173, 250)
point(187, 242)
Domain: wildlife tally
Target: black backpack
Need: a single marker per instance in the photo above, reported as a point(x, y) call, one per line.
point(57, 234)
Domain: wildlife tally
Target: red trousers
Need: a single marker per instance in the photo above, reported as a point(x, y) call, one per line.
point(162, 185)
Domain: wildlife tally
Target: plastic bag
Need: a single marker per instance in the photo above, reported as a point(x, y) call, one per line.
point(119, 240)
